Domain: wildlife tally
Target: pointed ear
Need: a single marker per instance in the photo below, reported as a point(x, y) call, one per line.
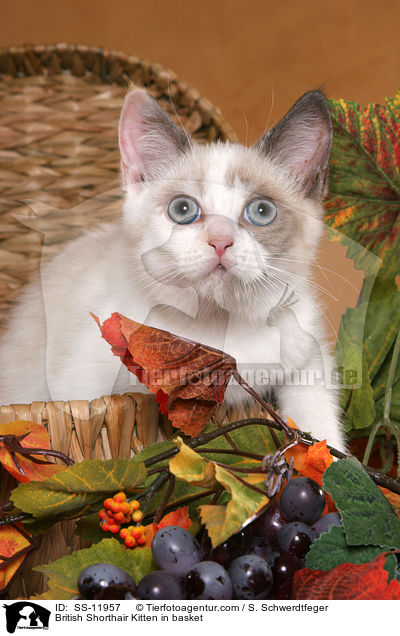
point(301, 143)
point(148, 139)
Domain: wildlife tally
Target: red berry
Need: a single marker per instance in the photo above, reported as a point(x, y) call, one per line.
point(141, 540)
point(130, 542)
point(124, 533)
point(125, 507)
point(114, 528)
point(108, 502)
point(115, 506)
point(102, 514)
point(134, 504)
point(119, 497)
point(119, 517)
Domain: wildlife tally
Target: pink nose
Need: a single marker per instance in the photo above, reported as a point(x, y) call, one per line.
point(220, 244)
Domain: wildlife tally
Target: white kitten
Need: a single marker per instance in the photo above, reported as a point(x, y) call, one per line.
point(215, 245)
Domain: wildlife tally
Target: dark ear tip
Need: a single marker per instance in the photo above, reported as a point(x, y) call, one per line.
point(314, 100)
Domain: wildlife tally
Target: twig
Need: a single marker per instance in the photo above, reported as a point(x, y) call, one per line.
point(165, 500)
point(282, 425)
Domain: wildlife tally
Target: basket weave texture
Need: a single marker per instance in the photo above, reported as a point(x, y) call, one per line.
point(59, 174)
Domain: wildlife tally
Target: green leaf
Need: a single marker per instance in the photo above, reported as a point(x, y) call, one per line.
point(382, 324)
point(366, 336)
point(331, 549)
point(349, 353)
point(80, 488)
point(367, 516)
point(364, 183)
point(253, 439)
point(63, 574)
point(88, 527)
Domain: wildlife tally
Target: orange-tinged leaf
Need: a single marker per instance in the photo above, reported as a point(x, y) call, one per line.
point(393, 497)
point(189, 378)
point(179, 517)
point(312, 462)
point(149, 532)
point(368, 581)
point(36, 437)
point(11, 542)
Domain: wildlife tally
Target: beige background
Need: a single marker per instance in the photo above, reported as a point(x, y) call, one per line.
point(251, 58)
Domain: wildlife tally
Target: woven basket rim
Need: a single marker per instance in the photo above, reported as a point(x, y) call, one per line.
point(30, 60)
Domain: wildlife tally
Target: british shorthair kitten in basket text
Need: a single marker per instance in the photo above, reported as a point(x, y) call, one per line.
point(215, 244)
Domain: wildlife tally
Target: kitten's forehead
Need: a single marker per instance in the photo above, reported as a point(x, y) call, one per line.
point(231, 168)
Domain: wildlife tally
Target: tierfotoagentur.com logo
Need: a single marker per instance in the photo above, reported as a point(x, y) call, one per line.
point(26, 615)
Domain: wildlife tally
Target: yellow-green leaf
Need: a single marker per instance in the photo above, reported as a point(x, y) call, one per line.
point(223, 521)
point(192, 467)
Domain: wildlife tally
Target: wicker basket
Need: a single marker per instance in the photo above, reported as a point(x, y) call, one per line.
point(58, 145)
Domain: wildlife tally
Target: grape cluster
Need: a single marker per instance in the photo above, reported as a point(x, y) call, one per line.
point(258, 562)
point(117, 511)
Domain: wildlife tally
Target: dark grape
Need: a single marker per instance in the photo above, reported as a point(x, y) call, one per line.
point(325, 523)
point(175, 549)
point(296, 538)
point(161, 584)
point(302, 499)
point(269, 523)
point(208, 580)
point(261, 547)
point(283, 571)
point(105, 581)
point(251, 577)
point(235, 546)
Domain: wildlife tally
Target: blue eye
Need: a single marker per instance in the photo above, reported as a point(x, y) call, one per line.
point(183, 210)
point(261, 212)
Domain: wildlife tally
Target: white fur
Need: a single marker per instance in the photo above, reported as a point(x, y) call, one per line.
point(53, 349)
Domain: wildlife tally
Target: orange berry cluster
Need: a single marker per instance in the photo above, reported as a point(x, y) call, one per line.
point(133, 536)
point(117, 510)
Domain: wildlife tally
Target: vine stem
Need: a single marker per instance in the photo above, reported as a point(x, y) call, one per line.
point(282, 425)
point(204, 438)
point(304, 438)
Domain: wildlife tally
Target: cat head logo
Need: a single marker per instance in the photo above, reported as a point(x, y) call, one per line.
point(26, 615)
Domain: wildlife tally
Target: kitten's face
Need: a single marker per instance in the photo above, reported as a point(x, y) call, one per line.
point(227, 223)
point(235, 224)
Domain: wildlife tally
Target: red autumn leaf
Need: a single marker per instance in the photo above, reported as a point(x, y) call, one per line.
point(36, 437)
point(178, 517)
point(189, 378)
point(11, 542)
point(368, 581)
